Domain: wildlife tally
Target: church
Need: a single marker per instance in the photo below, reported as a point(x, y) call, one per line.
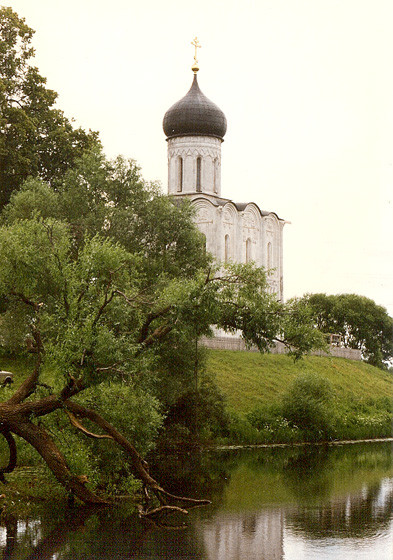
point(239, 232)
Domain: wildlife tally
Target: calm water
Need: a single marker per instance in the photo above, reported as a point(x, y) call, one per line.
point(268, 504)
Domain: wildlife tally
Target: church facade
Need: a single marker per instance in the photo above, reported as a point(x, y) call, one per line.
point(238, 232)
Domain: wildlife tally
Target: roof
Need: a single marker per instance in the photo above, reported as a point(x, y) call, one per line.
point(195, 115)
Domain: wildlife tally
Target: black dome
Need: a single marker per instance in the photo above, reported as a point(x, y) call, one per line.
point(195, 115)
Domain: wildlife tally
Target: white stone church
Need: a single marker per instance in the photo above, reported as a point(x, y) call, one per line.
point(235, 231)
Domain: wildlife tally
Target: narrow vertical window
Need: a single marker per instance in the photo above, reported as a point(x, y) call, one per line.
point(204, 243)
point(269, 255)
point(248, 250)
point(180, 174)
point(215, 175)
point(226, 249)
point(198, 174)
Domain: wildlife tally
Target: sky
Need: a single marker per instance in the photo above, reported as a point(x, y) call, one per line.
point(307, 89)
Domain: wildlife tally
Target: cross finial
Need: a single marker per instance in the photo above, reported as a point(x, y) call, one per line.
point(196, 44)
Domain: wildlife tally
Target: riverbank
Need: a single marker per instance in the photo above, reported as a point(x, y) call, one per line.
point(270, 399)
point(299, 444)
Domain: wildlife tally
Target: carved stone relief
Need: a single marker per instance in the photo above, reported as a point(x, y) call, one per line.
point(193, 152)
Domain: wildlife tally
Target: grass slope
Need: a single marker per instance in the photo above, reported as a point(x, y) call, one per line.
point(249, 379)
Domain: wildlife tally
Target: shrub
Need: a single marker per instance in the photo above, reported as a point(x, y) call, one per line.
point(309, 405)
point(241, 431)
point(202, 412)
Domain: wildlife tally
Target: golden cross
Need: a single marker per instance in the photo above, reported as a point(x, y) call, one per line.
point(196, 44)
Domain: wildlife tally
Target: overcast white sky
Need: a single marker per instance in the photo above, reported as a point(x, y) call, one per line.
point(307, 89)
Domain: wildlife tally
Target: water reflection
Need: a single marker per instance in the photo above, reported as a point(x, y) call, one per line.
point(252, 535)
point(359, 515)
point(268, 504)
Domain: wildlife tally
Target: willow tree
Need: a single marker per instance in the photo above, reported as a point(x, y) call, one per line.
point(95, 279)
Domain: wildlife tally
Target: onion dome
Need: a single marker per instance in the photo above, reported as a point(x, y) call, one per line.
point(195, 115)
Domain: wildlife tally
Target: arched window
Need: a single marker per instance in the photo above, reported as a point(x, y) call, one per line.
point(180, 174)
point(198, 174)
point(215, 175)
point(226, 249)
point(248, 250)
point(269, 255)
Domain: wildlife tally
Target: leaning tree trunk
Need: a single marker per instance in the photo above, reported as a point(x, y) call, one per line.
point(39, 438)
point(15, 419)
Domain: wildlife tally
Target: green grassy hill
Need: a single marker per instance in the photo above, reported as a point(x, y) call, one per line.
point(360, 405)
point(250, 379)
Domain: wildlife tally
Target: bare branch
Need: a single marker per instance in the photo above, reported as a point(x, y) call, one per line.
point(39, 438)
point(105, 303)
point(149, 319)
point(74, 421)
point(155, 336)
point(138, 463)
point(112, 368)
point(160, 511)
point(28, 301)
point(130, 301)
point(15, 101)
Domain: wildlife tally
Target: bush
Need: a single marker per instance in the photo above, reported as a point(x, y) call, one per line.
point(241, 431)
point(202, 412)
point(309, 406)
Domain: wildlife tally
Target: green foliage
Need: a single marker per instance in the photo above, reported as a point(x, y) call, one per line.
point(135, 413)
point(241, 431)
point(35, 138)
point(298, 331)
point(254, 387)
point(201, 411)
point(361, 323)
point(309, 405)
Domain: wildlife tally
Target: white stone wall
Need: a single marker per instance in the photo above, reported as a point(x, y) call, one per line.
point(183, 153)
point(243, 236)
point(234, 232)
point(236, 343)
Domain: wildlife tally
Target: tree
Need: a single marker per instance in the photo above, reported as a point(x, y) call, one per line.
point(99, 295)
point(361, 323)
point(35, 137)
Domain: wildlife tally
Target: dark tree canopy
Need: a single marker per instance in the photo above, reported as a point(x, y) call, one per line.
point(361, 323)
point(36, 139)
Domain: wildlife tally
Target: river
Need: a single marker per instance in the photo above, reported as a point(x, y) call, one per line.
point(313, 502)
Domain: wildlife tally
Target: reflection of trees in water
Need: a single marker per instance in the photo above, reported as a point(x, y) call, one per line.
point(11, 533)
point(245, 535)
point(197, 474)
point(357, 515)
point(99, 535)
point(29, 535)
point(307, 473)
point(310, 472)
